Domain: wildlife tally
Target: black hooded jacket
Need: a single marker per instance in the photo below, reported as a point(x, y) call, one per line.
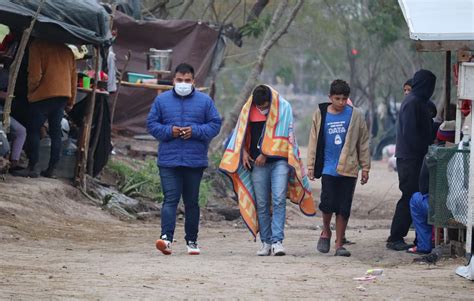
point(414, 128)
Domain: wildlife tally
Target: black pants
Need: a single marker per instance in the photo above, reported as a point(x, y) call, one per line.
point(51, 109)
point(408, 178)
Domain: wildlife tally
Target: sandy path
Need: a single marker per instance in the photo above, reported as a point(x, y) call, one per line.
point(128, 267)
point(55, 245)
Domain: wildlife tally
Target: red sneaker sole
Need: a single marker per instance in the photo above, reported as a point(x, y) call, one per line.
point(161, 246)
point(194, 253)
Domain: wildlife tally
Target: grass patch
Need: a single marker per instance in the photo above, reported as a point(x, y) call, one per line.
point(205, 192)
point(142, 181)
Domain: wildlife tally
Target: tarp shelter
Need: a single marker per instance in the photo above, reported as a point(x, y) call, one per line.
point(192, 42)
point(440, 25)
point(67, 21)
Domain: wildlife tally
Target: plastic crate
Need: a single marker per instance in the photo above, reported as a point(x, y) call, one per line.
point(137, 77)
point(442, 192)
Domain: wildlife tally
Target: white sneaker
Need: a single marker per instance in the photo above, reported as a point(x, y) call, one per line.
point(193, 248)
point(277, 249)
point(164, 245)
point(265, 249)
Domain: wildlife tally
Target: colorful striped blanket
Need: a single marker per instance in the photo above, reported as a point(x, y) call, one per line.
point(278, 141)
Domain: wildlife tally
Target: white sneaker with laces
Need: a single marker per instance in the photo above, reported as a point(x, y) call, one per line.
point(164, 245)
point(265, 249)
point(193, 248)
point(277, 249)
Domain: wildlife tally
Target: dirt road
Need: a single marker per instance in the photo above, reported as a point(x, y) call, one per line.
point(55, 245)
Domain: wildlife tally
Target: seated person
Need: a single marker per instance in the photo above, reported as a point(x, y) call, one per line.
point(419, 203)
point(17, 137)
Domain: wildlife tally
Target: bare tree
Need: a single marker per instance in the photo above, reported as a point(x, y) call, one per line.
point(278, 27)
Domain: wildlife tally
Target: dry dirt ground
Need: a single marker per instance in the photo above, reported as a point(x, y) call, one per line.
point(54, 244)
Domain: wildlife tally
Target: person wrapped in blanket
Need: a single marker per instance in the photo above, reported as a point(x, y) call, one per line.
point(419, 202)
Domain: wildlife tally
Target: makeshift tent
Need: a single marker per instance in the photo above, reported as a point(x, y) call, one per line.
point(192, 42)
point(440, 25)
point(68, 21)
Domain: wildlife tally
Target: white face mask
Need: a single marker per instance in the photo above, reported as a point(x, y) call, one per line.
point(183, 89)
point(264, 112)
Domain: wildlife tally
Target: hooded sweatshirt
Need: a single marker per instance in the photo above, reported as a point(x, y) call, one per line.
point(414, 129)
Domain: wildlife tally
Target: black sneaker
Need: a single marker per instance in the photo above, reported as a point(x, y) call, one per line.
point(398, 245)
point(30, 172)
point(193, 248)
point(49, 173)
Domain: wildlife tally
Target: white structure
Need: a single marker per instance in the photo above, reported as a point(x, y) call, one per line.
point(439, 20)
point(447, 25)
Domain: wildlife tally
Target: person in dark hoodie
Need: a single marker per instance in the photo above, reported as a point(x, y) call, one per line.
point(414, 135)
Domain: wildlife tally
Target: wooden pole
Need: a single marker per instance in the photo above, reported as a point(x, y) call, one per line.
point(447, 86)
point(82, 158)
point(15, 68)
point(114, 101)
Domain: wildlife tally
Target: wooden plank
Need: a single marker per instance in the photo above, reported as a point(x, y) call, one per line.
point(444, 45)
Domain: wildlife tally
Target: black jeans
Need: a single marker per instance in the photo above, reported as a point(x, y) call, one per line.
point(177, 182)
point(51, 109)
point(408, 178)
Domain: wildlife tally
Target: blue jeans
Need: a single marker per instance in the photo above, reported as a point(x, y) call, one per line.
point(270, 183)
point(177, 182)
point(51, 109)
point(419, 213)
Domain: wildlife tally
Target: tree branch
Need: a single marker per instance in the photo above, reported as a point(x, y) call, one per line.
point(279, 33)
point(187, 4)
point(226, 17)
point(257, 10)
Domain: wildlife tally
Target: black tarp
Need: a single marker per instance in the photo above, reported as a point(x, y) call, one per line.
point(102, 115)
point(67, 21)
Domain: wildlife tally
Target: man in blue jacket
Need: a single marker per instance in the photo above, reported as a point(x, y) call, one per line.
point(414, 135)
point(184, 121)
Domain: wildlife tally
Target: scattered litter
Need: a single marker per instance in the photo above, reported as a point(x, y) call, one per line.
point(361, 288)
point(374, 272)
point(365, 278)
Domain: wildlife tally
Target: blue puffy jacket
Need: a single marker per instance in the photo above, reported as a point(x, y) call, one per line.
point(196, 110)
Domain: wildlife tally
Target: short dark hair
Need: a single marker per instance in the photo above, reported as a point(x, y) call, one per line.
point(339, 86)
point(184, 68)
point(409, 82)
point(261, 94)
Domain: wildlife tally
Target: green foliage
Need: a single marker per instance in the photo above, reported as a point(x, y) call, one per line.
point(205, 192)
point(256, 27)
point(285, 73)
point(386, 20)
point(138, 182)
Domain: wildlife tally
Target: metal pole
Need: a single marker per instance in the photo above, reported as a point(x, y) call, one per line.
point(15, 68)
point(470, 201)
